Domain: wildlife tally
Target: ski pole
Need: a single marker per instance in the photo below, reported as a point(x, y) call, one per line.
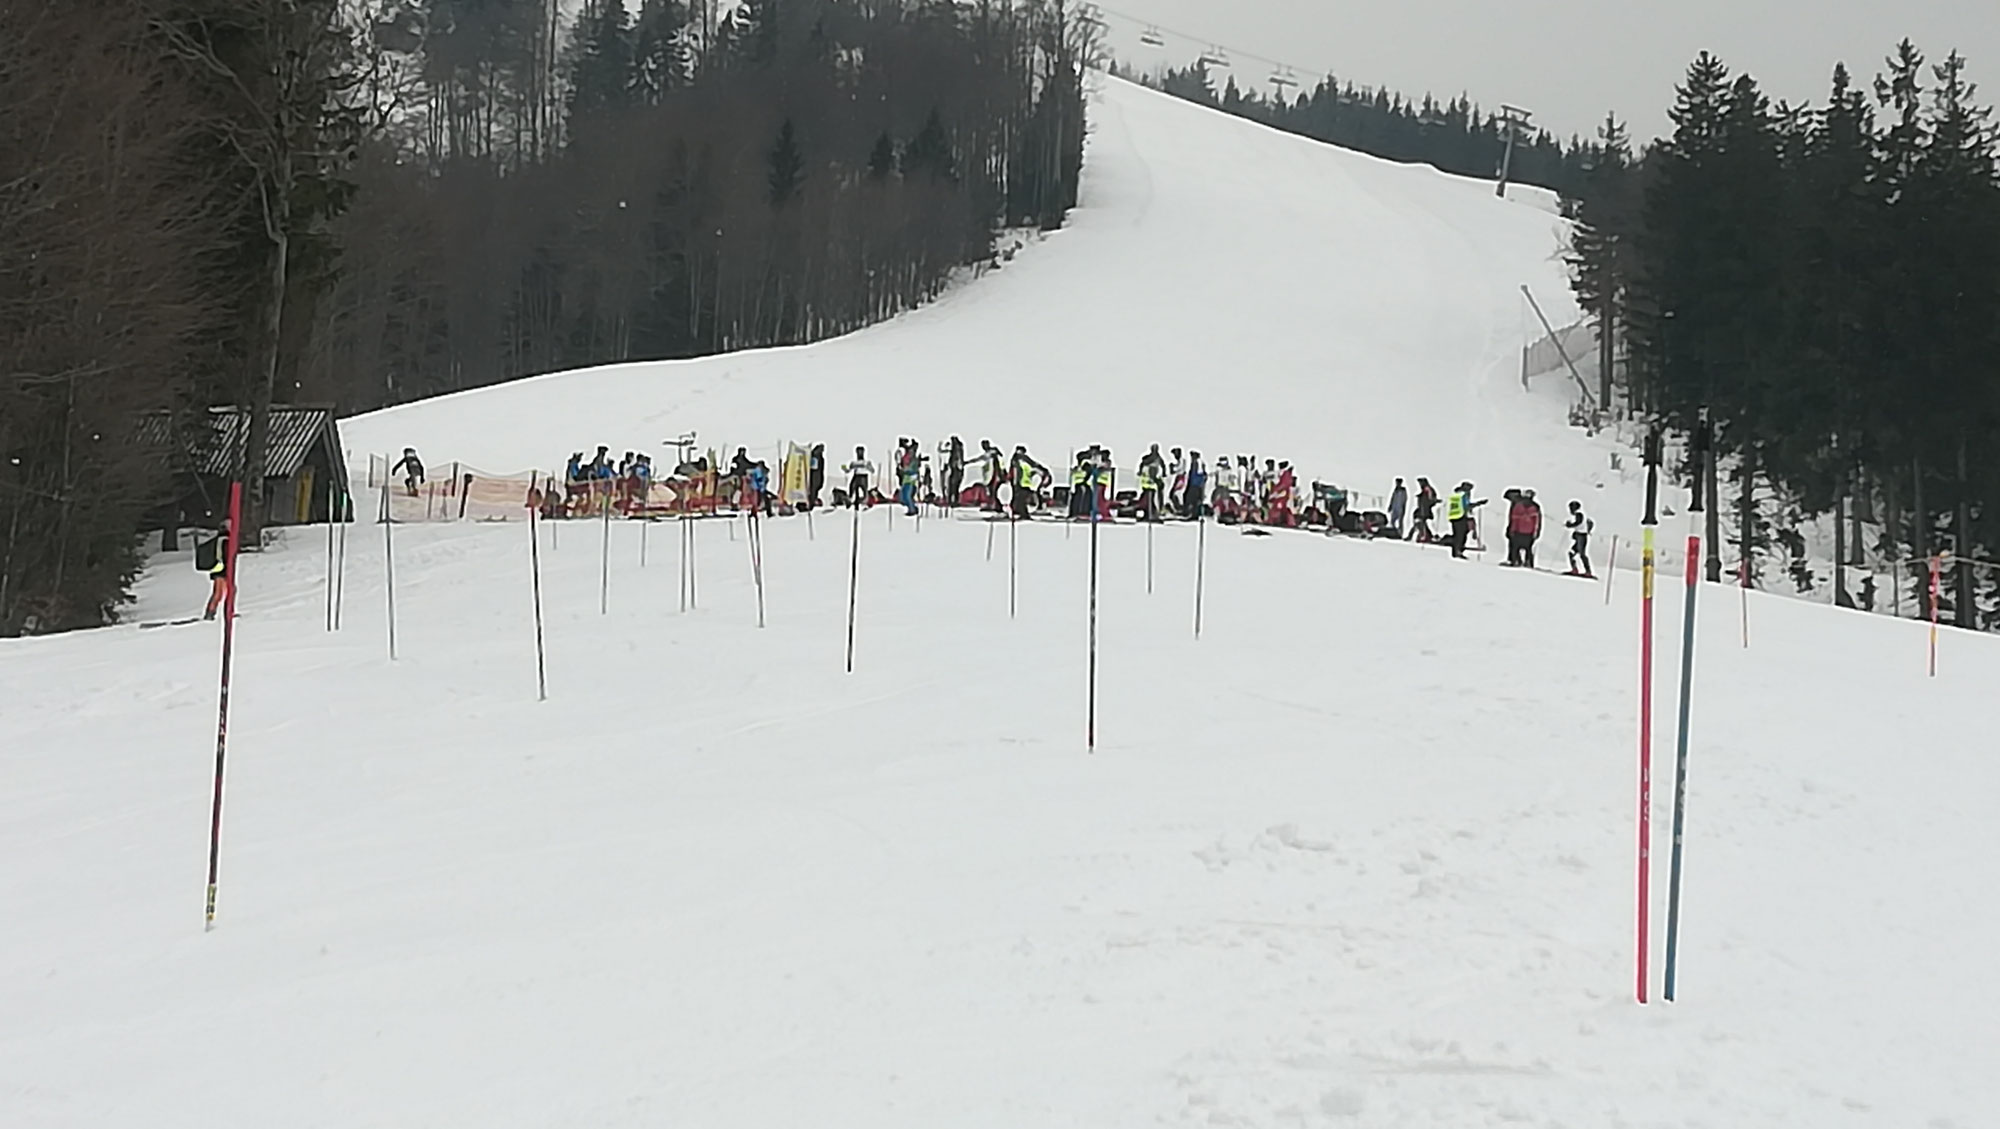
point(1646, 563)
point(1702, 455)
point(229, 550)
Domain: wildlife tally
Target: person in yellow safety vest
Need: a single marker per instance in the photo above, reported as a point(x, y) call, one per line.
point(1079, 484)
point(1028, 476)
point(1458, 509)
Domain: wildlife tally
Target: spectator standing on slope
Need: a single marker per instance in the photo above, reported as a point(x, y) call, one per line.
point(1152, 481)
point(212, 557)
point(1427, 501)
point(1460, 509)
point(1197, 487)
point(815, 474)
point(954, 470)
point(1579, 528)
point(859, 474)
point(1399, 504)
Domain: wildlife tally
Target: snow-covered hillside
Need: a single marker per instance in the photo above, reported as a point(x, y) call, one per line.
point(1223, 286)
point(1361, 855)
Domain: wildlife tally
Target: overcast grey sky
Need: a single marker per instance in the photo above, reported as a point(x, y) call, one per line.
point(1567, 60)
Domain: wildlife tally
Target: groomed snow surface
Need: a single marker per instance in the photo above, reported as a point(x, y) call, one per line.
point(1361, 855)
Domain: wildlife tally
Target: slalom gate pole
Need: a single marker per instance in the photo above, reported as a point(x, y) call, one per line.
point(1611, 570)
point(853, 586)
point(535, 569)
point(1702, 456)
point(1149, 558)
point(604, 561)
point(222, 697)
point(1012, 567)
point(1090, 735)
point(1744, 587)
point(1937, 570)
point(329, 565)
point(757, 564)
point(1646, 562)
point(340, 558)
point(684, 560)
point(1200, 568)
point(389, 567)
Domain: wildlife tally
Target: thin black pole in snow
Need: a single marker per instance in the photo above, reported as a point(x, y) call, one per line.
point(535, 567)
point(1090, 737)
point(340, 558)
point(604, 559)
point(389, 567)
point(1702, 455)
point(684, 561)
point(853, 585)
point(1200, 569)
point(1012, 557)
point(1149, 558)
point(757, 564)
point(329, 561)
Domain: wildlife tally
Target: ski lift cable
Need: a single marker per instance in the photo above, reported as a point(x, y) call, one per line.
point(1214, 47)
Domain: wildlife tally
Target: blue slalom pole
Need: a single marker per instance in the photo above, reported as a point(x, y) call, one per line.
point(1701, 456)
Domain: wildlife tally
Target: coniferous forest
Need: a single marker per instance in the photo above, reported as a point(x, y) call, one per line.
point(363, 202)
point(1825, 279)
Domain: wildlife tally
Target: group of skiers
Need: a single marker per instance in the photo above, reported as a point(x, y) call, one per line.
point(1176, 483)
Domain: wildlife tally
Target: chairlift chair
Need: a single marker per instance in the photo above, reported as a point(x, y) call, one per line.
point(1151, 37)
point(1215, 59)
point(1281, 78)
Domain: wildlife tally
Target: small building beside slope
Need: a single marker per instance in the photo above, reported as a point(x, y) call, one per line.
point(305, 477)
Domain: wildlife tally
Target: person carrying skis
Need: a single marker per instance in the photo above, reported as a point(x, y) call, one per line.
point(411, 468)
point(1152, 475)
point(1579, 527)
point(1399, 504)
point(1196, 489)
point(858, 473)
point(1427, 501)
point(1459, 510)
point(212, 557)
point(1028, 475)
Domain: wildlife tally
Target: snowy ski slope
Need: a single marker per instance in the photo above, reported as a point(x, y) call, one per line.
point(1360, 856)
point(1222, 286)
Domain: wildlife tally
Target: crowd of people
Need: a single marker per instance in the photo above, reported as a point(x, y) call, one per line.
point(1175, 484)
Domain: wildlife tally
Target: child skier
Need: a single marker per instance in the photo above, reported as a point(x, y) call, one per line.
point(411, 468)
point(1579, 527)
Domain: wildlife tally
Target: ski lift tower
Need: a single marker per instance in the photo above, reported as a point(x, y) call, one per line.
point(1515, 119)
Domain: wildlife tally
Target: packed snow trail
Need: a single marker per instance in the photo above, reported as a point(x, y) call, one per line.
point(1362, 855)
point(1222, 286)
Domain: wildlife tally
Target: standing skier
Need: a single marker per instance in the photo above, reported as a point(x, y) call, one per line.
point(858, 473)
point(1427, 501)
point(815, 474)
point(954, 470)
point(1197, 487)
point(212, 557)
point(1459, 510)
point(1399, 503)
point(1579, 528)
point(1152, 476)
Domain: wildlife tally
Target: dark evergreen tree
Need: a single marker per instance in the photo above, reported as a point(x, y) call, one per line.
point(787, 166)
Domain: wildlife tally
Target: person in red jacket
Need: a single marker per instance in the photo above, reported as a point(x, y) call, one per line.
point(1284, 491)
point(1524, 526)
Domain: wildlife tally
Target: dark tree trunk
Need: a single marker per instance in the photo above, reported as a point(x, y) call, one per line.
point(1961, 530)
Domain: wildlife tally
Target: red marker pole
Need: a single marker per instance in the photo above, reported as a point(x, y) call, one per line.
point(222, 709)
point(1646, 566)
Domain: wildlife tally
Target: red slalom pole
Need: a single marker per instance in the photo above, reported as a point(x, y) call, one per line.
point(222, 709)
point(1646, 567)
